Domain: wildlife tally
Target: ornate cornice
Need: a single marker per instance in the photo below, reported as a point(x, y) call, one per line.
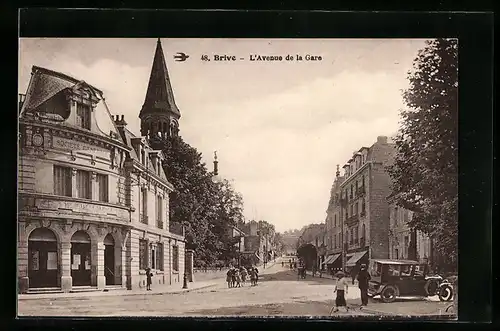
point(74, 133)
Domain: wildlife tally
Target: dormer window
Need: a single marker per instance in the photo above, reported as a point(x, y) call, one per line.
point(83, 116)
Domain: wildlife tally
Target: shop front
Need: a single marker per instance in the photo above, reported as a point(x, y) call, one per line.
point(43, 266)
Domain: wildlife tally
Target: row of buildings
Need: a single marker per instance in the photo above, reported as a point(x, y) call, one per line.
point(363, 221)
point(256, 243)
point(93, 198)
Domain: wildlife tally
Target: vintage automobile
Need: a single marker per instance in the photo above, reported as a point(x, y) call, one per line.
point(397, 278)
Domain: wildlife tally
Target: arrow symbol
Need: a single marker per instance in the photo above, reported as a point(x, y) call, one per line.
point(181, 57)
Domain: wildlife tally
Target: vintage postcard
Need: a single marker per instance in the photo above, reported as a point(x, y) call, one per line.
point(238, 177)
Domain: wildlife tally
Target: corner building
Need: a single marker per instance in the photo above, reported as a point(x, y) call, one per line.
point(359, 209)
point(93, 206)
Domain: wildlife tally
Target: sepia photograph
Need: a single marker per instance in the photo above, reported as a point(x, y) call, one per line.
point(171, 177)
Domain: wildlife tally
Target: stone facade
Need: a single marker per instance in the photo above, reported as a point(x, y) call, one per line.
point(357, 222)
point(400, 237)
point(89, 192)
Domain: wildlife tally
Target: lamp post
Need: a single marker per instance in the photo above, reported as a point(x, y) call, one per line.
point(239, 251)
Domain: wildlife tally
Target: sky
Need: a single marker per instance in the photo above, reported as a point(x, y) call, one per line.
point(279, 128)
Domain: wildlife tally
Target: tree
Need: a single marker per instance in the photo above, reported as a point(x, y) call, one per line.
point(191, 203)
point(230, 214)
point(205, 208)
point(425, 169)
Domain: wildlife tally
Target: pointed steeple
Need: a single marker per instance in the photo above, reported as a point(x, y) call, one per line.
point(159, 114)
point(159, 95)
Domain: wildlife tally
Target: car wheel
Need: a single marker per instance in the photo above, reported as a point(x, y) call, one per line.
point(388, 294)
point(445, 293)
point(431, 287)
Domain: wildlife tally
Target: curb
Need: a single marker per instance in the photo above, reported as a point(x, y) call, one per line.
point(383, 313)
point(114, 294)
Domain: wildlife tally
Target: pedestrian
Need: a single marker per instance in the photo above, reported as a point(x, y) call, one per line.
point(256, 275)
point(353, 275)
point(363, 280)
point(341, 288)
point(282, 264)
point(243, 275)
point(237, 278)
point(149, 274)
point(252, 277)
point(229, 277)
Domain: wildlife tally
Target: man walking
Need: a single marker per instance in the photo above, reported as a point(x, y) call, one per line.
point(363, 279)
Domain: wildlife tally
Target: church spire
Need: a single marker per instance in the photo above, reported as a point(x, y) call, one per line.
point(159, 113)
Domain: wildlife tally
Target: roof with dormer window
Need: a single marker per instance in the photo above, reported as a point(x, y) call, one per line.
point(129, 137)
point(45, 84)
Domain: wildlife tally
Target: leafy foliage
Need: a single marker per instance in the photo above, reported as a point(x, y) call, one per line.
point(205, 208)
point(425, 171)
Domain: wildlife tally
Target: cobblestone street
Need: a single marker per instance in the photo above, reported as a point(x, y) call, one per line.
point(278, 293)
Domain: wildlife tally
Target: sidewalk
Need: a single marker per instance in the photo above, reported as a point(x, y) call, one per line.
point(330, 277)
point(158, 290)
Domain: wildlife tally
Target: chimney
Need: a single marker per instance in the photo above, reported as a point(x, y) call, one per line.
point(382, 140)
point(337, 174)
point(120, 122)
point(216, 164)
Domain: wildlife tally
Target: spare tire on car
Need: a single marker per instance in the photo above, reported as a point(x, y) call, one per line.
point(431, 287)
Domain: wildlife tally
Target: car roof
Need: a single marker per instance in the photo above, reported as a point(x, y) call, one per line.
point(398, 262)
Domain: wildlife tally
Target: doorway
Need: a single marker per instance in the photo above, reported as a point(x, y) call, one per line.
point(43, 266)
point(80, 259)
point(109, 259)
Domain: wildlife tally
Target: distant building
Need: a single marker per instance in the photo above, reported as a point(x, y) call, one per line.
point(333, 230)
point(358, 213)
point(259, 245)
point(311, 245)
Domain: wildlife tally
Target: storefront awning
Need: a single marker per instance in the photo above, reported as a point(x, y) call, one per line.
point(355, 258)
point(331, 259)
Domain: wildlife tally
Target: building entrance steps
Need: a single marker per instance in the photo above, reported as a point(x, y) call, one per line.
point(44, 290)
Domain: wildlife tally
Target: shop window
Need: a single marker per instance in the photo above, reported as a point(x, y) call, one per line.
point(175, 258)
point(143, 254)
point(159, 256)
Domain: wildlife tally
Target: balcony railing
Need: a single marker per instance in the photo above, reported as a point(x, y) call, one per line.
point(159, 224)
point(176, 228)
point(361, 190)
point(143, 218)
point(352, 219)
